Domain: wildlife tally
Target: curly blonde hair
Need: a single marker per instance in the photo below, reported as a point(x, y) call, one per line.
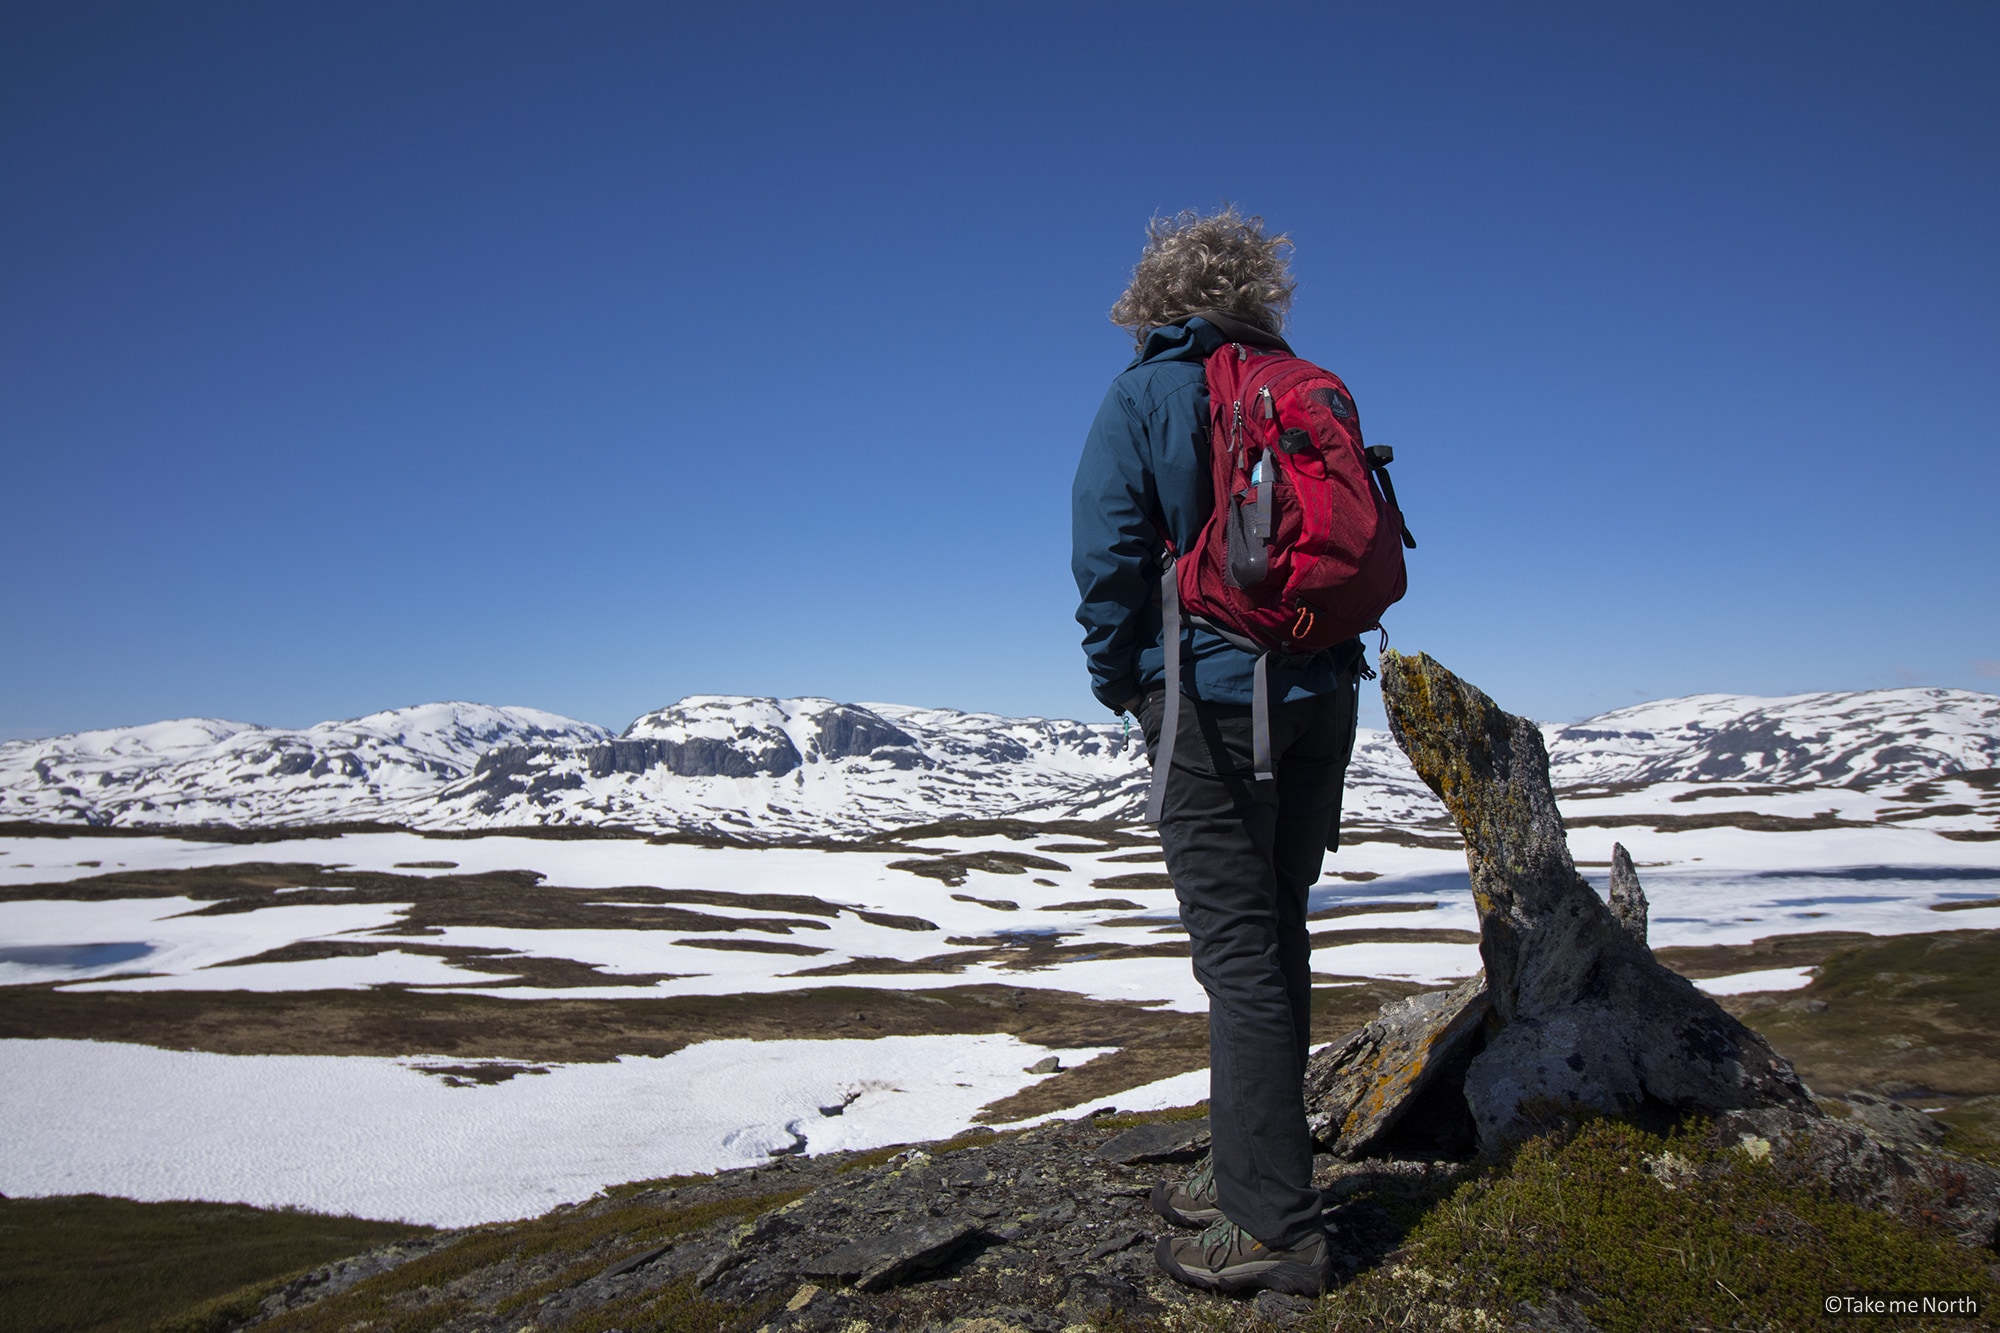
point(1223, 262)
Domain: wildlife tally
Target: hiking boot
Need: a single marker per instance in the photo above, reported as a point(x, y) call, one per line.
point(1227, 1258)
point(1190, 1203)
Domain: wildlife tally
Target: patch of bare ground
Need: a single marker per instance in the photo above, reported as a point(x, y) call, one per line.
point(1965, 907)
point(1369, 909)
point(1914, 1017)
point(1097, 905)
point(1743, 819)
point(514, 899)
point(893, 921)
point(1440, 841)
point(401, 1021)
point(1105, 832)
point(483, 1075)
point(952, 868)
point(1180, 1044)
point(1142, 879)
point(1808, 949)
point(753, 946)
point(506, 968)
point(997, 904)
point(1032, 953)
point(1325, 939)
point(1728, 792)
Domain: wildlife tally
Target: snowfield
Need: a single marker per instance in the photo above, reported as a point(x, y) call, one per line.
point(382, 1138)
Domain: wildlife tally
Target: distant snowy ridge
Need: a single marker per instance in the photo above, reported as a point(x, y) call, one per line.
point(1855, 738)
point(205, 771)
point(791, 767)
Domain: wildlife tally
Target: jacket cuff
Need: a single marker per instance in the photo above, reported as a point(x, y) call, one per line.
point(1121, 695)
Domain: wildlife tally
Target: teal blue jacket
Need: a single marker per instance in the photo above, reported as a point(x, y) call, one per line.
point(1144, 465)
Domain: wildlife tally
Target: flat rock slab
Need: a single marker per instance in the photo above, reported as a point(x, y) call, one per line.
point(879, 1262)
point(1361, 1088)
point(1162, 1141)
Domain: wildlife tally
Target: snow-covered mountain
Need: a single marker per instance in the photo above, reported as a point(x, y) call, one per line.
point(787, 767)
point(206, 771)
point(1856, 738)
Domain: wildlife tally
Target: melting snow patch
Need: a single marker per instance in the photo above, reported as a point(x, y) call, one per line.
point(1770, 978)
point(390, 1138)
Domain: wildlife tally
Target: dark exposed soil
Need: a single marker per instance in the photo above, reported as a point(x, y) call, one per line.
point(1808, 949)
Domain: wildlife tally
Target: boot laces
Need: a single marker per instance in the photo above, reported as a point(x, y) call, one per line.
point(1221, 1240)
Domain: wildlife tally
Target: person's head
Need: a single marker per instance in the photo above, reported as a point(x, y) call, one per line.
point(1223, 262)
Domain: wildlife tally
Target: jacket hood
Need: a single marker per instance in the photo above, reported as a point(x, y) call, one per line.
point(1195, 337)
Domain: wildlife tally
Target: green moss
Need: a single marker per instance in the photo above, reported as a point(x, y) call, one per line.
point(1647, 1233)
point(1915, 1017)
point(1131, 1118)
point(90, 1262)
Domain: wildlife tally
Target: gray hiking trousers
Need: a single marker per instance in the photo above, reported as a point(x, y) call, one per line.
point(1243, 855)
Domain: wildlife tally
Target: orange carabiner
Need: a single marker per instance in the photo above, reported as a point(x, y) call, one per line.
point(1303, 625)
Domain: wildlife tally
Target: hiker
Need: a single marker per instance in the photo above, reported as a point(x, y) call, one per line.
point(1242, 852)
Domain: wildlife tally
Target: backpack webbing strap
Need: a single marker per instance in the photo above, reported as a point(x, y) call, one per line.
point(1260, 720)
point(1170, 716)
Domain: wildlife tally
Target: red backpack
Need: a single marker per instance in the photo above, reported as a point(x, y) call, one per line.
point(1304, 548)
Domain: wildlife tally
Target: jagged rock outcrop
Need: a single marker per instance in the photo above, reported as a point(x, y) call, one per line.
point(1572, 1013)
point(1626, 898)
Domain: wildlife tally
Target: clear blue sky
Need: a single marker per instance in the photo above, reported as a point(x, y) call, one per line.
point(587, 355)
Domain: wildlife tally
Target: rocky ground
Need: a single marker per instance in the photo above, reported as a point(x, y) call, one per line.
point(1040, 1231)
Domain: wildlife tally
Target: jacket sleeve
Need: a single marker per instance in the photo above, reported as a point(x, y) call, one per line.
point(1114, 549)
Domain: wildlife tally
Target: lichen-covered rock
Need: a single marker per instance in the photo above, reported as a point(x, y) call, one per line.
point(1361, 1089)
point(1890, 1120)
point(1871, 1170)
point(1583, 1018)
